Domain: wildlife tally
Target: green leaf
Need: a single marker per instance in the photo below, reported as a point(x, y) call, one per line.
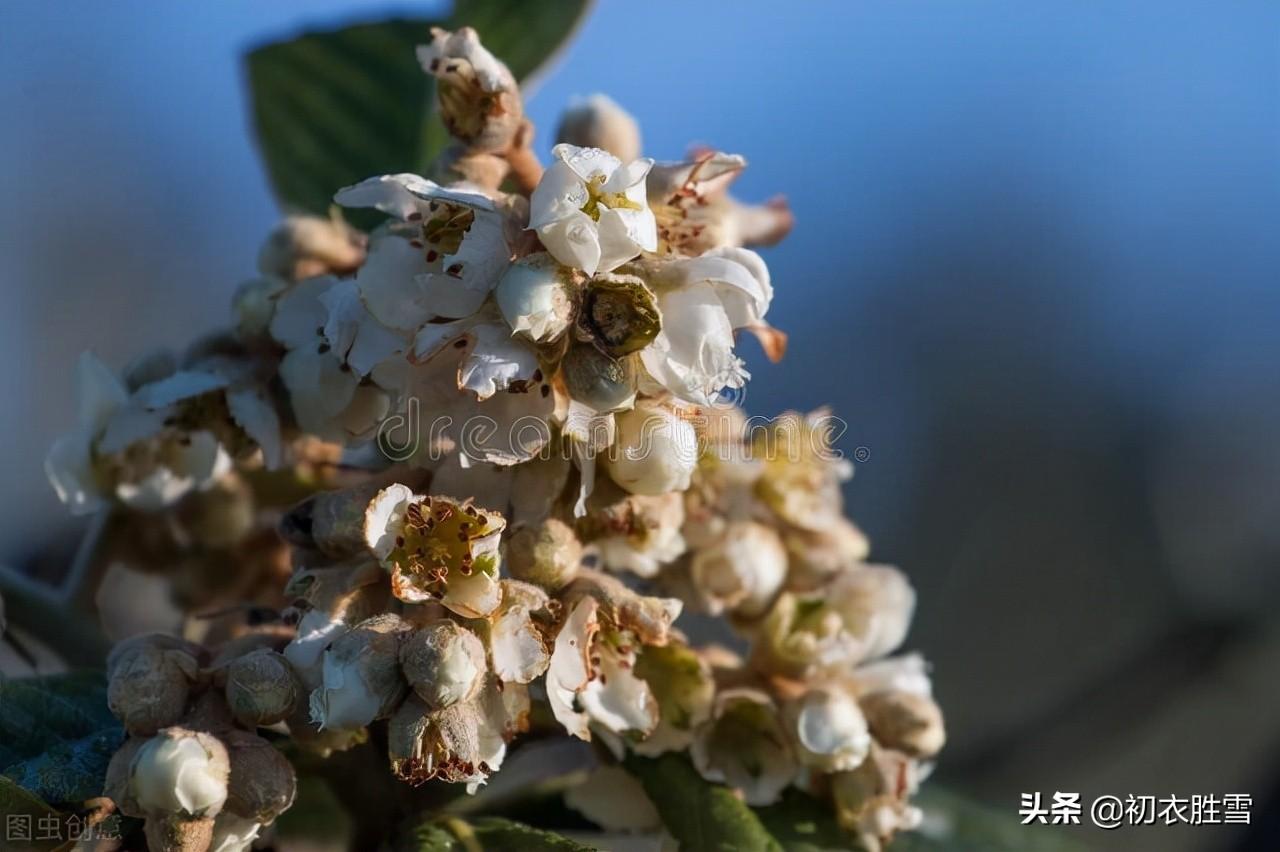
point(699, 814)
point(801, 823)
point(57, 735)
point(487, 833)
point(332, 108)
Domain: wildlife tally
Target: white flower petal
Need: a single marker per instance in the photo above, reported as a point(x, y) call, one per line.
point(586, 163)
point(255, 414)
point(557, 196)
point(69, 468)
point(183, 384)
point(300, 316)
point(384, 518)
point(393, 284)
point(574, 241)
point(393, 194)
point(99, 392)
point(617, 699)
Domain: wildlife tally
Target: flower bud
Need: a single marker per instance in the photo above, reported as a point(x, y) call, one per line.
point(634, 532)
point(461, 743)
point(254, 305)
point(597, 380)
point(479, 101)
point(744, 746)
point(742, 572)
point(361, 675)
point(597, 122)
point(307, 246)
point(444, 662)
point(331, 521)
point(535, 296)
point(546, 554)
point(181, 772)
point(862, 614)
point(829, 729)
point(262, 783)
point(149, 681)
point(656, 451)
point(261, 688)
point(905, 721)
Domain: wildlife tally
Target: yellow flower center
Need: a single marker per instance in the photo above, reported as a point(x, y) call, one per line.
point(597, 197)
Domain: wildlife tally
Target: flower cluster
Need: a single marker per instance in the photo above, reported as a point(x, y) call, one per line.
point(556, 343)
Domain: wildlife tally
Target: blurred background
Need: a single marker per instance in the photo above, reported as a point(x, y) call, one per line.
point(1036, 268)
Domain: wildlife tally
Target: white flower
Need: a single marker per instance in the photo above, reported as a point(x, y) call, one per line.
point(703, 301)
point(445, 266)
point(745, 746)
point(636, 533)
point(598, 122)
point(591, 211)
point(122, 448)
point(696, 213)
point(437, 548)
point(181, 772)
point(590, 679)
point(483, 389)
point(742, 572)
point(829, 729)
point(656, 451)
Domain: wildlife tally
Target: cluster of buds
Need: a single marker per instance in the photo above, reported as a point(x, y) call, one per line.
point(570, 483)
point(194, 766)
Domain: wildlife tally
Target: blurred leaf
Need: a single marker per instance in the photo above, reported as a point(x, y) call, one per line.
point(25, 809)
point(332, 108)
point(699, 814)
point(488, 833)
point(801, 823)
point(57, 735)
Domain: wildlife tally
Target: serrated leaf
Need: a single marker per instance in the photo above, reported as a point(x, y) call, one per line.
point(332, 108)
point(699, 814)
point(57, 735)
point(486, 833)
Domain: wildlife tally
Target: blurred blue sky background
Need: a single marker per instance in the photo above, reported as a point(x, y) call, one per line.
point(1036, 267)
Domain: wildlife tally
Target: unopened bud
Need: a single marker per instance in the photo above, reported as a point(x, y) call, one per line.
point(306, 246)
point(905, 721)
point(117, 785)
point(444, 662)
point(597, 380)
point(656, 451)
point(361, 675)
point(546, 554)
point(598, 122)
point(149, 681)
point(536, 297)
point(741, 572)
point(180, 771)
point(261, 688)
point(262, 783)
point(478, 97)
point(829, 729)
point(331, 521)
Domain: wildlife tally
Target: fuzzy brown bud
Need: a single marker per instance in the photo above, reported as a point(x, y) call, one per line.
point(149, 682)
point(261, 688)
point(547, 554)
point(173, 833)
point(262, 783)
point(905, 721)
point(444, 662)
